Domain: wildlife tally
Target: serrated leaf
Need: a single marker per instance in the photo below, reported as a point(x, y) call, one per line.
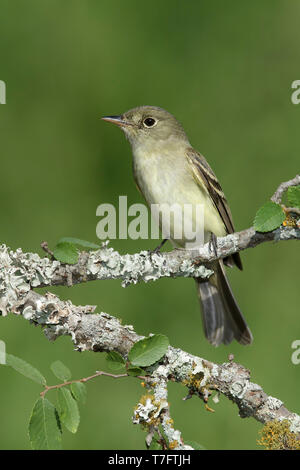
point(134, 371)
point(68, 409)
point(44, 427)
point(61, 371)
point(25, 369)
point(149, 350)
point(79, 391)
point(269, 217)
point(80, 244)
point(293, 195)
point(66, 252)
point(115, 361)
point(195, 445)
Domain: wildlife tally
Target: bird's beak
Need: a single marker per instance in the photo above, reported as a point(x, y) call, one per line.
point(116, 120)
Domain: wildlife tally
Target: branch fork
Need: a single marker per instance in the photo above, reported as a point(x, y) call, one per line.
point(21, 272)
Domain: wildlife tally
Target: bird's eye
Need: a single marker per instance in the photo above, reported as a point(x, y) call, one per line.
point(149, 122)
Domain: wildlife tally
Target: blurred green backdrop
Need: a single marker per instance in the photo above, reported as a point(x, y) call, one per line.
point(224, 69)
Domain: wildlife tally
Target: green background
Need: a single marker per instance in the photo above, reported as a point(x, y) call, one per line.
point(224, 69)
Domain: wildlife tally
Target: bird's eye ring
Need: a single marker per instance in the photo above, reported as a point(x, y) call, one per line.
point(149, 122)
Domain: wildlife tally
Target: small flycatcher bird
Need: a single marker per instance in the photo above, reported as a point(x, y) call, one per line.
point(167, 170)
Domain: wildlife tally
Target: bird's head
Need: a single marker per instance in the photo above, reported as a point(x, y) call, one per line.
point(149, 126)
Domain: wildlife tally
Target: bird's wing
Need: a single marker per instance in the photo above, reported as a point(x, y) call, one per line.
point(204, 175)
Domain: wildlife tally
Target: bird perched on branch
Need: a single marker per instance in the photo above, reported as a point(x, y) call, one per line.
point(169, 172)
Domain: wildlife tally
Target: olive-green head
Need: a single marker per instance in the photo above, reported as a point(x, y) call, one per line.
point(149, 125)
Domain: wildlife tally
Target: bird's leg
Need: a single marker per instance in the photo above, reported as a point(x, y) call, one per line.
point(212, 244)
point(158, 248)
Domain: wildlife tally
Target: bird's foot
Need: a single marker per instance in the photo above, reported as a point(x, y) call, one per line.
point(212, 244)
point(156, 250)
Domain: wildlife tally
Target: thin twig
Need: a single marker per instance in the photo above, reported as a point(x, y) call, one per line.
point(86, 379)
point(277, 196)
point(45, 247)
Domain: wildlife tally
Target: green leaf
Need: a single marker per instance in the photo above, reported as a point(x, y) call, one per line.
point(44, 427)
point(66, 252)
point(268, 217)
point(115, 361)
point(60, 371)
point(293, 195)
point(149, 350)
point(195, 445)
point(25, 369)
point(68, 409)
point(79, 391)
point(135, 371)
point(80, 244)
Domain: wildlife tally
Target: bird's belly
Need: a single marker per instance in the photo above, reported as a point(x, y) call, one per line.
point(171, 191)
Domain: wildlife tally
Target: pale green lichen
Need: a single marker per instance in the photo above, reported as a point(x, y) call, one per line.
point(19, 272)
point(109, 264)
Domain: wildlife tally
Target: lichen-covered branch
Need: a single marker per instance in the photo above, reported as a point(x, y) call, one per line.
point(102, 332)
point(21, 272)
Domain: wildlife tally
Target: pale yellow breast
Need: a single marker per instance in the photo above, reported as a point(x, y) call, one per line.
point(166, 178)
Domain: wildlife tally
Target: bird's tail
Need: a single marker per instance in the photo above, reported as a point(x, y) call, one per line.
point(222, 318)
